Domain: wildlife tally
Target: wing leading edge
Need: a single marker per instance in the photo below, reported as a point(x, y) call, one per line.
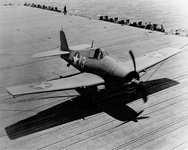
point(80, 80)
point(153, 58)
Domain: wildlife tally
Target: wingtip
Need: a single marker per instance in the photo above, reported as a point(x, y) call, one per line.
point(8, 91)
point(34, 56)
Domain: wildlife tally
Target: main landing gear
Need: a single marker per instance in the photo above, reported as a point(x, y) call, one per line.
point(89, 95)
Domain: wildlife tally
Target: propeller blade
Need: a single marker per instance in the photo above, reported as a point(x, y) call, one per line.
point(92, 43)
point(133, 59)
point(143, 91)
point(136, 117)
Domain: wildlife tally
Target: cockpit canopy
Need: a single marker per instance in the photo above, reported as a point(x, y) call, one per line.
point(97, 53)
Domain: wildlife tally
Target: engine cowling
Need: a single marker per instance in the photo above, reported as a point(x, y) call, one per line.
point(132, 81)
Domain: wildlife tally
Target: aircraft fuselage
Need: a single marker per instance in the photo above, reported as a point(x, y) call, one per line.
point(98, 62)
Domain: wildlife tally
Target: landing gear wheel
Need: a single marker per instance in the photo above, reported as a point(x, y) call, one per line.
point(93, 105)
point(143, 92)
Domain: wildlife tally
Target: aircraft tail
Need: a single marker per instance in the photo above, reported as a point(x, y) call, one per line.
point(63, 41)
point(62, 50)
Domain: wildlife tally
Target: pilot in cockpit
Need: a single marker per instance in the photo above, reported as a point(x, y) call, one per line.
point(97, 51)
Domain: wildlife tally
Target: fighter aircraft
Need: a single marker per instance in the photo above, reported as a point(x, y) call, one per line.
point(96, 68)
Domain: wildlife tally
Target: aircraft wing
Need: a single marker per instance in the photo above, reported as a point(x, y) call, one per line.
point(153, 58)
point(79, 80)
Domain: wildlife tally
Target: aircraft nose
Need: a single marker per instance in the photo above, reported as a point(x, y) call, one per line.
point(133, 84)
point(132, 80)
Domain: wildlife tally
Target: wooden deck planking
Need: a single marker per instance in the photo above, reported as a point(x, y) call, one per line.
point(167, 109)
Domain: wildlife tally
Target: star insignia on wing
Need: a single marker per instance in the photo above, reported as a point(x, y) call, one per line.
point(41, 85)
point(157, 55)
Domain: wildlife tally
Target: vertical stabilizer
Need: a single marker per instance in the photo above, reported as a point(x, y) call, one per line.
point(63, 41)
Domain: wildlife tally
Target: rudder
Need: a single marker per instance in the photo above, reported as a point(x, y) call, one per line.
point(63, 41)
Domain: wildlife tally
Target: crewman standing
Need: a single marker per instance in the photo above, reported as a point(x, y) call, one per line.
point(65, 10)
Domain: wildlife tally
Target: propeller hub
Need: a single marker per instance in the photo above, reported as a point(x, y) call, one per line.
point(132, 81)
point(132, 86)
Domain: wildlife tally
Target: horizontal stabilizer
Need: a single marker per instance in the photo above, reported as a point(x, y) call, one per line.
point(50, 53)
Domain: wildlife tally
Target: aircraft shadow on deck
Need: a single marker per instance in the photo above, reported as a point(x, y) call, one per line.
point(81, 107)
